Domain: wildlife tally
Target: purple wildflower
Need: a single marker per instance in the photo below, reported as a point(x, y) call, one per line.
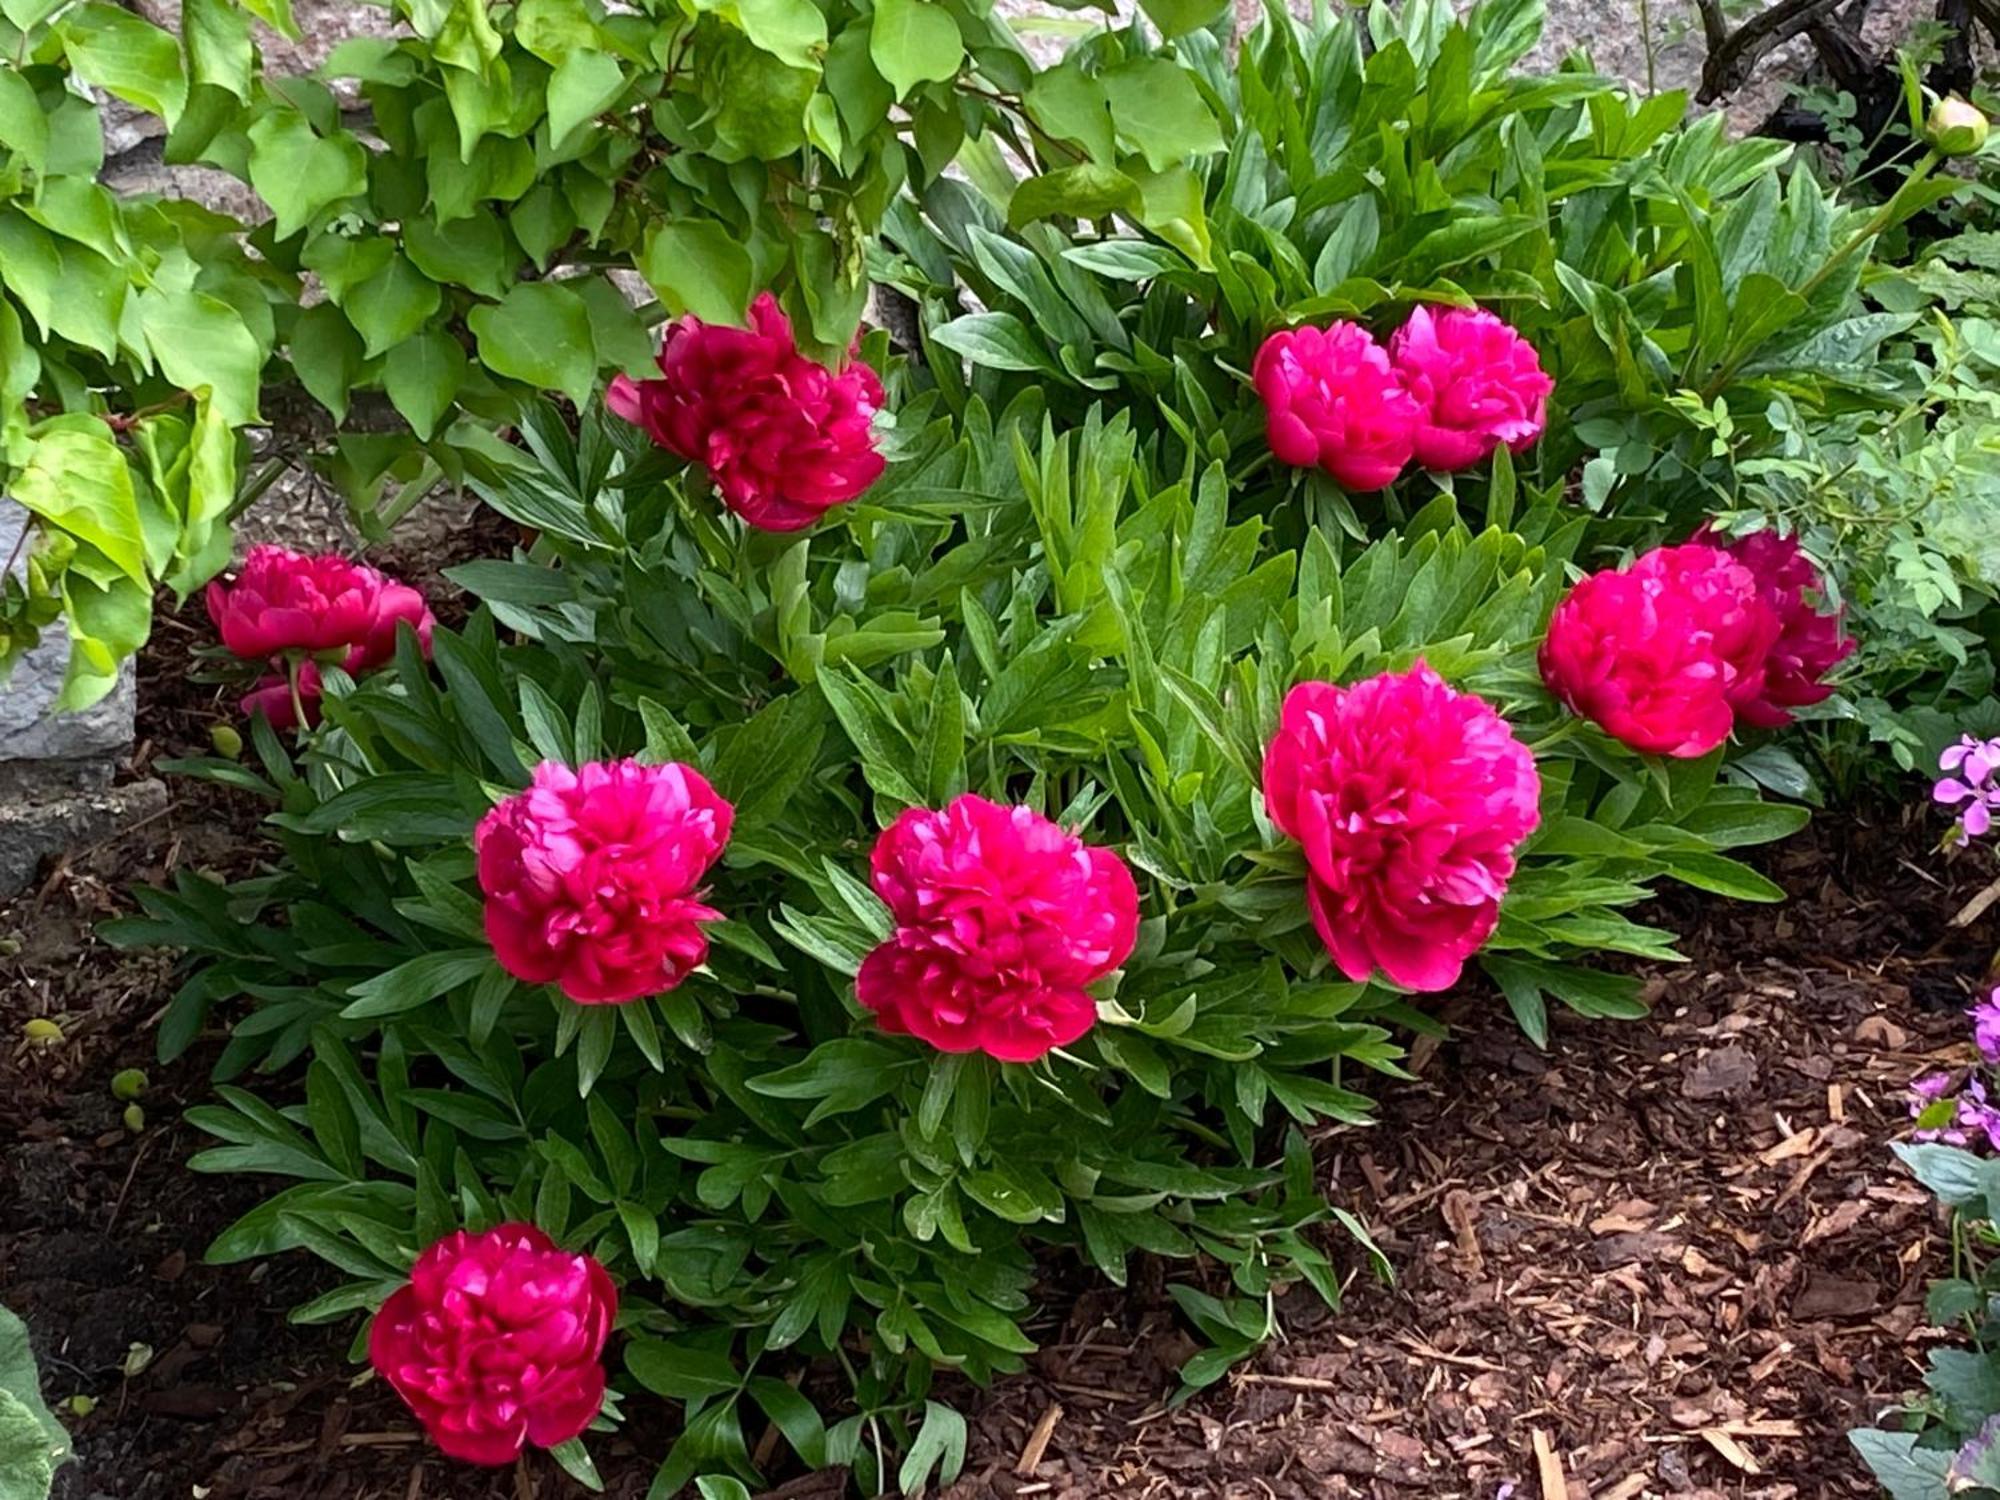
point(1986, 1027)
point(1976, 791)
point(1925, 1094)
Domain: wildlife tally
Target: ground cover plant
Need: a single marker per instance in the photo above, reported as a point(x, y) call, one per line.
point(911, 810)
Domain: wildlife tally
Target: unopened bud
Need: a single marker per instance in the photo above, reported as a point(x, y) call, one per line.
point(228, 743)
point(1956, 128)
point(42, 1031)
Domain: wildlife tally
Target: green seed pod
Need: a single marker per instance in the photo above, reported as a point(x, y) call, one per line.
point(128, 1084)
point(135, 1118)
point(228, 743)
point(42, 1031)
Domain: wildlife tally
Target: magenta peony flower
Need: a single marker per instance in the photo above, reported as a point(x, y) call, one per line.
point(1478, 382)
point(1656, 652)
point(1409, 798)
point(783, 438)
point(272, 697)
point(288, 601)
point(1809, 645)
point(495, 1342)
point(1978, 790)
point(1002, 919)
point(590, 877)
point(1333, 401)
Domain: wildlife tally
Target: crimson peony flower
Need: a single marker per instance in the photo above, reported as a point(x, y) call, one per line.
point(272, 697)
point(1332, 400)
point(1478, 382)
point(394, 605)
point(783, 438)
point(1655, 653)
point(1002, 919)
point(288, 601)
point(1409, 798)
point(590, 877)
point(1810, 643)
point(495, 1342)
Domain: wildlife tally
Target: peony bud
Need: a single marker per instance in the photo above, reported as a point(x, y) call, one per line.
point(228, 743)
point(1955, 127)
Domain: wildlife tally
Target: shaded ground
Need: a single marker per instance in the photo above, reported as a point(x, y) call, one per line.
point(1662, 1259)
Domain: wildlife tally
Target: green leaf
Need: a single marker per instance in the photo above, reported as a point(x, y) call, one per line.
point(218, 45)
point(130, 57)
point(1906, 1471)
point(697, 266)
point(1723, 877)
point(24, 128)
point(1178, 17)
point(79, 480)
point(1085, 192)
point(471, 251)
point(583, 86)
point(19, 1381)
point(201, 340)
point(391, 305)
point(540, 334)
point(760, 102)
point(575, 1461)
point(299, 172)
point(421, 376)
point(1160, 113)
point(683, 1373)
point(415, 982)
point(1071, 105)
point(793, 31)
point(327, 356)
point(913, 42)
point(995, 341)
point(940, 1445)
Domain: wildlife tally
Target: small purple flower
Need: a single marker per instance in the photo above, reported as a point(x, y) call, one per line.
point(1977, 791)
point(1986, 1026)
point(1925, 1094)
point(1930, 1088)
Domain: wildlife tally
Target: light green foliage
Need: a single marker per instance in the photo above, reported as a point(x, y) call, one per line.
point(33, 1444)
point(715, 149)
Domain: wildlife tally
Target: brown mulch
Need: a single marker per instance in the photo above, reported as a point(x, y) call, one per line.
point(1669, 1258)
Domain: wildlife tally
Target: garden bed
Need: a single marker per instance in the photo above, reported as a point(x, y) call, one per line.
point(1670, 1258)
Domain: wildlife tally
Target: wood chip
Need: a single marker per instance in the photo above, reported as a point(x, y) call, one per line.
point(1549, 1467)
point(1732, 1451)
point(1629, 1488)
point(1836, 1103)
point(1038, 1442)
point(1791, 1145)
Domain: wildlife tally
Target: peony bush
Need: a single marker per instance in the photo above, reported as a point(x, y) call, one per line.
point(911, 816)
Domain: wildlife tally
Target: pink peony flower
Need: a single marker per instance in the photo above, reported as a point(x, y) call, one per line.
point(783, 438)
point(1810, 643)
point(396, 604)
point(495, 1342)
point(288, 601)
point(1409, 798)
point(1655, 653)
point(272, 697)
point(590, 877)
point(1333, 401)
point(1002, 919)
point(1478, 382)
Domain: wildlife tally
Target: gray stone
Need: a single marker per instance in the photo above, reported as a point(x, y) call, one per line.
point(33, 830)
point(56, 769)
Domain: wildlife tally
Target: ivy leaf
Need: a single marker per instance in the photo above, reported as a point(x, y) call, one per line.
point(1159, 112)
point(697, 266)
point(422, 375)
point(915, 41)
point(1085, 192)
point(218, 45)
point(299, 172)
point(126, 56)
point(24, 128)
point(1072, 106)
point(582, 87)
point(79, 480)
point(326, 356)
point(1179, 17)
point(201, 340)
point(391, 305)
point(793, 31)
point(760, 102)
point(539, 333)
